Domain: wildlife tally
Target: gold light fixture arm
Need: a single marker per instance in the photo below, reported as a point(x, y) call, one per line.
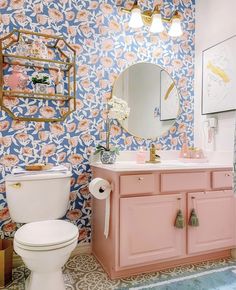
point(147, 14)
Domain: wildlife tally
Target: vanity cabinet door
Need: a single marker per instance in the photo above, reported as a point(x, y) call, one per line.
point(216, 213)
point(147, 231)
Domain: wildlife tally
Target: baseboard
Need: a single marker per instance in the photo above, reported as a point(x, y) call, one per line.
point(80, 249)
point(85, 248)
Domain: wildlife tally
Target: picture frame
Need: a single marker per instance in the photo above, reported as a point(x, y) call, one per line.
point(169, 98)
point(219, 77)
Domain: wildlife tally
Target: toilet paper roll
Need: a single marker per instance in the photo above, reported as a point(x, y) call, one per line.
point(101, 189)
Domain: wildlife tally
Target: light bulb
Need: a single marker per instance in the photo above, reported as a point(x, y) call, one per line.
point(175, 28)
point(136, 18)
point(157, 25)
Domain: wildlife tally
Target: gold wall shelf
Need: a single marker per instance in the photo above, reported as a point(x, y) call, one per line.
point(66, 63)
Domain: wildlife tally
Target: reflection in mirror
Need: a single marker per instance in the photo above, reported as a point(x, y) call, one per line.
point(152, 97)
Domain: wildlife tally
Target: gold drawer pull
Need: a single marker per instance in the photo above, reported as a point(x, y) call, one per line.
point(16, 185)
point(140, 178)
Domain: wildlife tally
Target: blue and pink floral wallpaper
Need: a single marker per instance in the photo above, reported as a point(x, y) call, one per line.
point(105, 46)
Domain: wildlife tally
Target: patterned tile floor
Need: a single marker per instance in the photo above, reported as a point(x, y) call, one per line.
point(83, 272)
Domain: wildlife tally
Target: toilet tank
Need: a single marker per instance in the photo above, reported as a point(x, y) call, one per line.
point(37, 197)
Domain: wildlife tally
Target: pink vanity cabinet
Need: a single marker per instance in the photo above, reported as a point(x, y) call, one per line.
point(144, 205)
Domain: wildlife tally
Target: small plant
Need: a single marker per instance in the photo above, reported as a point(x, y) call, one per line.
point(101, 148)
point(117, 109)
point(41, 79)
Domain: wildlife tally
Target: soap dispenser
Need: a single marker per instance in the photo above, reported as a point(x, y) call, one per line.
point(141, 156)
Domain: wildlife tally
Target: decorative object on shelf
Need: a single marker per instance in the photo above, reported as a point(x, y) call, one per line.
point(59, 83)
point(219, 77)
point(41, 83)
point(117, 109)
point(154, 20)
point(39, 49)
point(16, 85)
point(23, 48)
point(18, 78)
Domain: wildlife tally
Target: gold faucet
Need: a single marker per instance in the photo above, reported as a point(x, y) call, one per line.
point(154, 158)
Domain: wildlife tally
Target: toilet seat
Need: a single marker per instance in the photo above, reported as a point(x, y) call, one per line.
point(46, 235)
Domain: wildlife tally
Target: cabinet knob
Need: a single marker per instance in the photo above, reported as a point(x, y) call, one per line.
point(227, 174)
point(140, 178)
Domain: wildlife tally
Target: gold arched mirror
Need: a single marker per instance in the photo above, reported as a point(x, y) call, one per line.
point(152, 97)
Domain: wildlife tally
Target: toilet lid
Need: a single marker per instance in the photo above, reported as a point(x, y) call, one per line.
point(46, 233)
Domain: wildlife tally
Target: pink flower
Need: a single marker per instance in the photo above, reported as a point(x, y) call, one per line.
point(41, 19)
point(115, 130)
point(43, 135)
point(47, 112)
point(9, 228)
point(71, 127)
point(106, 61)
point(3, 4)
point(86, 138)
point(73, 141)
point(17, 4)
point(32, 110)
point(27, 151)
point(84, 191)
point(22, 137)
point(130, 56)
point(70, 15)
point(4, 214)
point(5, 141)
point(72, 30)
point(114, 26)
point(93, 4)
point(20, 17)
point(2, 188)
point(107, 44)
point(83, 70)
point(75, 159)
point(74, 214)
point(83, 15)
point(106, 8)
point(17, 125)
point(83, 178)
point(57, 129)
point(83, 234)
point(48, 150)
point(9, 160)
point(61, 156)
point(55, 14)
point(84, 125)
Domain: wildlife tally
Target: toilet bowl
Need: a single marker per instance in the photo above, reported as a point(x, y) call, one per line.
point(45, 247)
point(45, 242)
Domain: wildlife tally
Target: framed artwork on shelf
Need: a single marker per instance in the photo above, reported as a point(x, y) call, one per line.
point(169, 100)
point(219, 77)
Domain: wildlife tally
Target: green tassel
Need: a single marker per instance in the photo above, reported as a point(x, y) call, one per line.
point(193, 221)
point(179, 221)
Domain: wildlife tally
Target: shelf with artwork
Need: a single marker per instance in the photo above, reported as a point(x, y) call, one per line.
point(37, 70)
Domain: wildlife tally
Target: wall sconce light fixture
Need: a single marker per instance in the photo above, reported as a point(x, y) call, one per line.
point(154, 20)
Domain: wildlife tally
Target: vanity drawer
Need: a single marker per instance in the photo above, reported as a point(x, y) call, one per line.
point(185, 181)
point(222, 179)
point(137, 184)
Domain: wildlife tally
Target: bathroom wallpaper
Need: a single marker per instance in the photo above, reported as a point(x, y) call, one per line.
point(105, 46)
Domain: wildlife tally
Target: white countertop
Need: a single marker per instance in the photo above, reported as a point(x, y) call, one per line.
point(126, 166)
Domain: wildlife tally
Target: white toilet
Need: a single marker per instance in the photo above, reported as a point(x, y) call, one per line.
point(44, 243)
